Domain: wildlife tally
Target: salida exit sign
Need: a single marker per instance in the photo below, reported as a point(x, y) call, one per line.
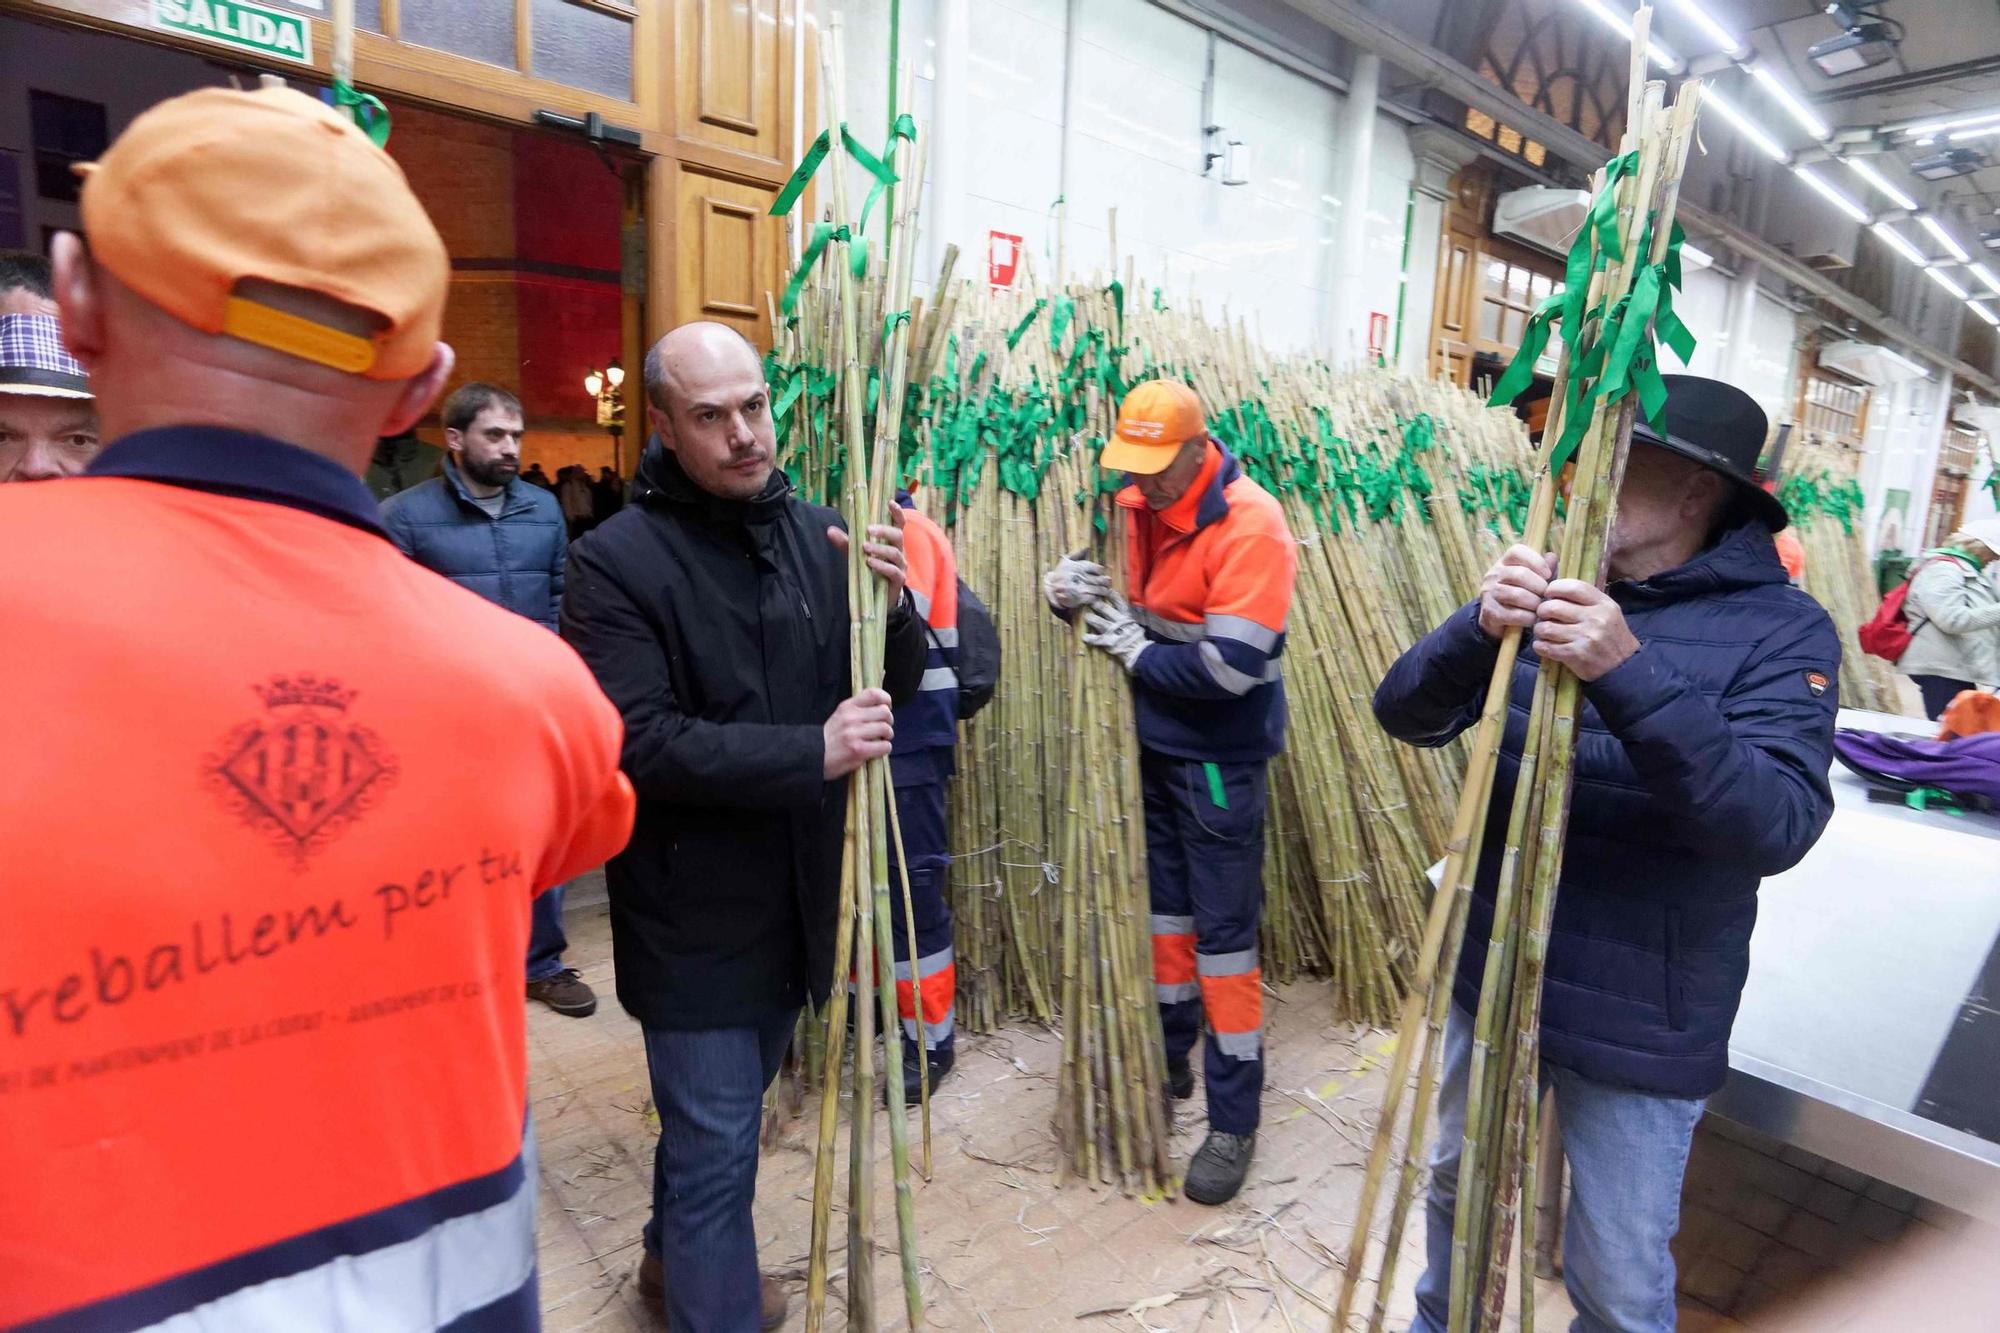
point(238, 23)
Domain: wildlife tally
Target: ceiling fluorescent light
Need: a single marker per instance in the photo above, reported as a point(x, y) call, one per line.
point(1718, 34)
point(1984, 313)
point(1886, 188)
point(1900, 243)
point(1985, 132)
point(1831, 195)
point(1931, 127)
point(1786, 98)
point(1944, 238)
point(1746, 127)
point(1656, 51)
point(1944, 280)
point(1980, 271)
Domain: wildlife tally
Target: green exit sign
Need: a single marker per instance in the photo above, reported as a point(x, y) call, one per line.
point(238, 23)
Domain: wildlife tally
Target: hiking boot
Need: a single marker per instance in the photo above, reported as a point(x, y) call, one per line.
point(772, 1302)
point(1219, 1166)
point(941, 1062)
point(566, 993)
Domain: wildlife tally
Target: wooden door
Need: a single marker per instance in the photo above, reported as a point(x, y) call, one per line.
point(733, 64)
point(1457, 279)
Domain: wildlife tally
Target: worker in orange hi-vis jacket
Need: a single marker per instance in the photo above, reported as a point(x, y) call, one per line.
point(275, 800)
point(921, 765)
point(1211, 565)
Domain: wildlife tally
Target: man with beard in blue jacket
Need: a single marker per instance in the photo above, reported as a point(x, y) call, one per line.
point(1701, 767)
point(486, 529)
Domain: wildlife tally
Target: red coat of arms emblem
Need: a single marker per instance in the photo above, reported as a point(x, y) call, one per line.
point(304, 771)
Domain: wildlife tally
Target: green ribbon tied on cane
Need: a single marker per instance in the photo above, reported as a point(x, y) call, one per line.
point(789, 396)
point(809, 165)
point(1534, 341)
point(904, 128)
point(364, 109)
point(1065, 310)
point(1021, 329)
point(823, 232)
point(1603, 219)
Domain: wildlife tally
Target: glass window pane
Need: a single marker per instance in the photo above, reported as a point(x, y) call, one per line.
point(478, 29)
point(1517, 284)
point(1489, 321)
point(1496, 277)
point(582, 48)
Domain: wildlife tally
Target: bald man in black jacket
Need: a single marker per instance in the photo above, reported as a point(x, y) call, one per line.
point(713, 610)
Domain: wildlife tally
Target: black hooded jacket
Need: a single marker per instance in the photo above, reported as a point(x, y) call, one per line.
point(720, 630)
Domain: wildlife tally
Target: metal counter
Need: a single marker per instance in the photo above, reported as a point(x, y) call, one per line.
point(1870, 1027)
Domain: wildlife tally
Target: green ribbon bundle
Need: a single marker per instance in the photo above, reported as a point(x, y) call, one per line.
point(1623, 358)
point(857, 245)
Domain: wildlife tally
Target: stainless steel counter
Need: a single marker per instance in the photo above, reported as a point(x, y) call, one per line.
point(1870, 1027)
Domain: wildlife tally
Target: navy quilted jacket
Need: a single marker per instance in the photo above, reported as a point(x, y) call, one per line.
point(1701, 767)
point(515, 560)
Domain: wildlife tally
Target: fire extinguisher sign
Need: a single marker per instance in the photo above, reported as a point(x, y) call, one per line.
point(1378, 335)
point(1003, 258)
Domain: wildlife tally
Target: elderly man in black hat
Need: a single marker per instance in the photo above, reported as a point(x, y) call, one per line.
point(48, 417)
point(1701, 767)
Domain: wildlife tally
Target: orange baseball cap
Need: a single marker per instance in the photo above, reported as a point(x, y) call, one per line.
point(211, 188)
point(1154, 421)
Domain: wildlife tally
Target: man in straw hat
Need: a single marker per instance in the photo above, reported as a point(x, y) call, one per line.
point(1210, 565)
point(48, 420)
point(270, 861)
point(1701, 767)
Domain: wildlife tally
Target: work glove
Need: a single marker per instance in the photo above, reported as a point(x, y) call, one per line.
point(1075, 582)
point(1109, 628)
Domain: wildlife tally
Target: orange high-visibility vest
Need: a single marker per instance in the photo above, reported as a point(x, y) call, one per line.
point(274, 802)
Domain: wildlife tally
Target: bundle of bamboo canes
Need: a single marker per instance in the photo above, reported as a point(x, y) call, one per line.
point(1401, 492)
point(1625, 249)
point(863, 947)
point(1821, 491)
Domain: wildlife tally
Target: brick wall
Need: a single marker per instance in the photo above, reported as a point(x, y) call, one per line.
point(501, 199)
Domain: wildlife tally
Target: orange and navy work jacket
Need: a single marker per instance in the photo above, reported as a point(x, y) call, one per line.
point(927, 726)
point(275, 803)
point(1211, 582)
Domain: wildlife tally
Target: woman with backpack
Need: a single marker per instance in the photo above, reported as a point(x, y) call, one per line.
point(1953, 611)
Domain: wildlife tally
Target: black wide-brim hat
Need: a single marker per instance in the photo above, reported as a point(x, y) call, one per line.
point(1720, 427)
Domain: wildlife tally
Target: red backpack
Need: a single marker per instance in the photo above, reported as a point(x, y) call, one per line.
point(1888, 633)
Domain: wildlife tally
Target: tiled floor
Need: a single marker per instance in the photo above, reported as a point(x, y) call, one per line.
point(1004, 1247)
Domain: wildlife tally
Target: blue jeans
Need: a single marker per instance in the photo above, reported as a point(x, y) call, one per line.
point(708, 1086)
point(1627, 1152)
point(546, 940)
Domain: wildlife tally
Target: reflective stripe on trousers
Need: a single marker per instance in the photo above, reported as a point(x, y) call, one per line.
point(920, 809)
point(936, 984)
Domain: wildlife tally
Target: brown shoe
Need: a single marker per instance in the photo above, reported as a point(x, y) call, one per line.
point(566, 993)
point(773, 1302)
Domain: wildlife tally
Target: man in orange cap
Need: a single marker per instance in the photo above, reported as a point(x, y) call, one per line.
point(1210, 565)
point(269, 860)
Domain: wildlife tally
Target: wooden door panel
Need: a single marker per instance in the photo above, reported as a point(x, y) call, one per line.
point(727, 252)
point(727, 75)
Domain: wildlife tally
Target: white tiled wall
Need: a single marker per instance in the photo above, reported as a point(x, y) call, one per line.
point(1263, 250)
